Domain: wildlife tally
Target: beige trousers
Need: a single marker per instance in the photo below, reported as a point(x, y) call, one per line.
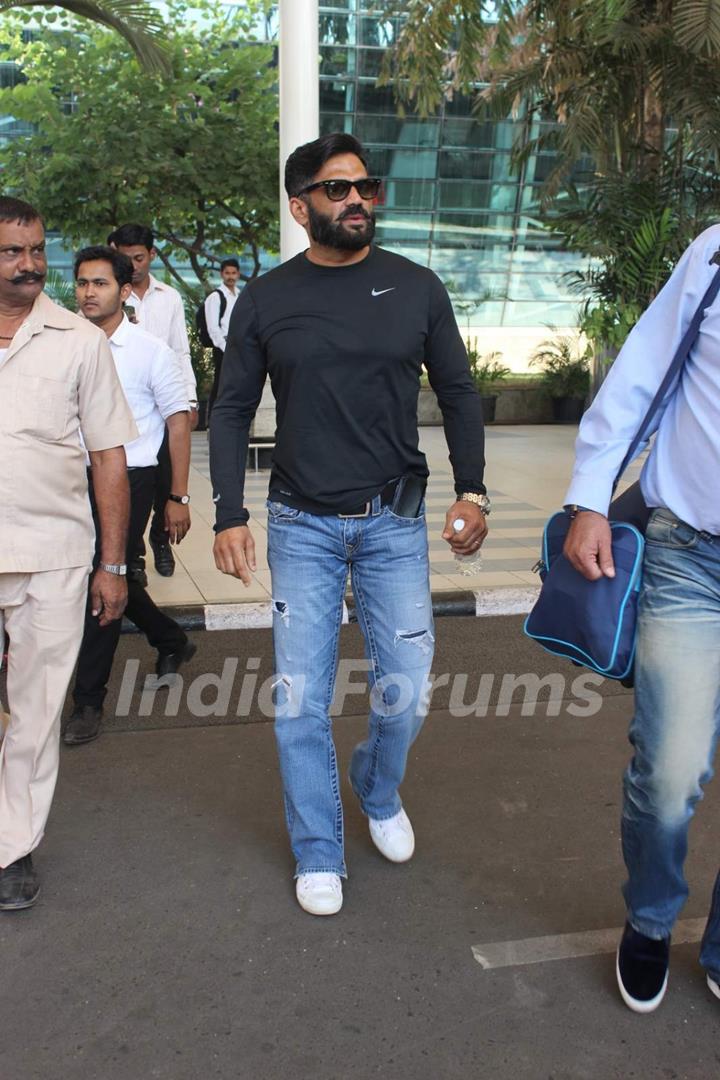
point(44, 614)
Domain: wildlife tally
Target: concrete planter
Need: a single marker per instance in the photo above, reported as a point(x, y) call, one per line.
point(428, 411)
point(523, 404)
point(520, 404)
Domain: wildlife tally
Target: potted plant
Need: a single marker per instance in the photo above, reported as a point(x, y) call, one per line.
point(201, 359)
point(486, 371)
point(565, 376)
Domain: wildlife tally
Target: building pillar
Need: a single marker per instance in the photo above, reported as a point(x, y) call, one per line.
point(299, 101)
point(299, 55)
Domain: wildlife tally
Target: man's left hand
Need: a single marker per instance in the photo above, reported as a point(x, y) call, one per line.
point(470, 539)
point(177, 520)
point(108, 596)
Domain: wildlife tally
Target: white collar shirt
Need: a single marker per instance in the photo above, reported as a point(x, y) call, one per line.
point(217, 327)
point(161, 313)
point(153, 383)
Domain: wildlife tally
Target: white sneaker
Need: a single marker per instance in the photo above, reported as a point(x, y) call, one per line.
point(319, 893)
point(394, 837)
point(713, 986)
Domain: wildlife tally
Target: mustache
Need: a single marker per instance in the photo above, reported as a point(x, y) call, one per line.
point(29, 278)
point(355, 211)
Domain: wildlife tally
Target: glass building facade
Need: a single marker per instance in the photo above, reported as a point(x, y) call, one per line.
point(450, 199)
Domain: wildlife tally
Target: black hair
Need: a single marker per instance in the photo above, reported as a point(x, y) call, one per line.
point(122, 267)
point(131, 235)
point(230, 262)
point(303, 165)
point(17, 210)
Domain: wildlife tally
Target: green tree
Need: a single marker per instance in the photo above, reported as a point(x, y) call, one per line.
point(628, 88)
point(612, 73)
point(634, 228)
point(195, 156)
point(139, 23)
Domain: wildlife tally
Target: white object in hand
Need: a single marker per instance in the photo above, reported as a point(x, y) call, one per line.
point(467, 564)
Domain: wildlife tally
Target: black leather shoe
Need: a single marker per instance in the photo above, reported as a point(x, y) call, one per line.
point(642, 970)
point(136, 572)
point(170, 663)
point(164, 558)
point(83, 725)
point(19, 885)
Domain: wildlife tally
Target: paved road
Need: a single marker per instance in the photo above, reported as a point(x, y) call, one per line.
point(167, 942)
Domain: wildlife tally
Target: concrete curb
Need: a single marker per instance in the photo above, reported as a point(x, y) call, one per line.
point(482, 603)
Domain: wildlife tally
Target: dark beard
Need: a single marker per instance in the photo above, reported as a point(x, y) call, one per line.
point(333, 234)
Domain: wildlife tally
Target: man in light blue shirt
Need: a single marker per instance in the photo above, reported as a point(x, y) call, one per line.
point(677, 668)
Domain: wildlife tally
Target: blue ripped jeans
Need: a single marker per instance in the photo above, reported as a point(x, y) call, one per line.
point(675, 727)
point(309, 557)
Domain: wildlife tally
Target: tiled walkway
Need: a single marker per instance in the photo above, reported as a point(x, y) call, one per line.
point(527, 472)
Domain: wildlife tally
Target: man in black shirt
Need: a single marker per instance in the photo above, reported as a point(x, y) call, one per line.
point(343, 330)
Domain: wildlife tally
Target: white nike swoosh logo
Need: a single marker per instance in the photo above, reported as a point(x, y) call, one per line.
point(379, 292)
point(216, 498)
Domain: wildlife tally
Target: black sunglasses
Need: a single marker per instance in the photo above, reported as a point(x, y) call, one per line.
point(337, 190)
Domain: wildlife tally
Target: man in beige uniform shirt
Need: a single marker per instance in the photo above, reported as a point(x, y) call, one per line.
point(57, 379)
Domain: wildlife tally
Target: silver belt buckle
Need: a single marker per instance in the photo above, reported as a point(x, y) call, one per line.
point(365, 513)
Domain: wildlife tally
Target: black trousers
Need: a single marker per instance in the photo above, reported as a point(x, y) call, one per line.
point(99, 643)
point(163, 483)
point(217, 365)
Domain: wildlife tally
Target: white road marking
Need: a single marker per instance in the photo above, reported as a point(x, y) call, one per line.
point(498, 954)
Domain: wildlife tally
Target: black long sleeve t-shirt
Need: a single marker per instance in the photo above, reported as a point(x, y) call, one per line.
point(344, 348)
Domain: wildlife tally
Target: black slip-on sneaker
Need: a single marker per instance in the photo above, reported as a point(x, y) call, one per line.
point(642, 970)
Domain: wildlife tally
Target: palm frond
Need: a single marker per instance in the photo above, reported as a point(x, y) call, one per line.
point(139, 23)
point(697, 25)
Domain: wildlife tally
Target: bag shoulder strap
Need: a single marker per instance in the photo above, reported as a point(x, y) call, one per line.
point(223, 304)
point(683, 351)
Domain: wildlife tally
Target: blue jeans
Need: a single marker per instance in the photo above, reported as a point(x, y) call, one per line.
point(309, 558)
point(675, 726)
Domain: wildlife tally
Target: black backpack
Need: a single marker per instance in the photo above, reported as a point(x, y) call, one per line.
point(201, 321)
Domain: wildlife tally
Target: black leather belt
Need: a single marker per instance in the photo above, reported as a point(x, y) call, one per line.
point(386, 497)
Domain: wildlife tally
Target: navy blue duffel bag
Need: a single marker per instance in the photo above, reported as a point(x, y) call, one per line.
point(590, 622)
point(593, 623)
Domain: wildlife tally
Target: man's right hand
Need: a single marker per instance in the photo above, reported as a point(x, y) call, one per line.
point(234, 551)
point(588, 547)
point(108, 596)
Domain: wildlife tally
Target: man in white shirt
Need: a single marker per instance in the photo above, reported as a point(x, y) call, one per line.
point(153, 385)
point(159, 310)
point(219, 306)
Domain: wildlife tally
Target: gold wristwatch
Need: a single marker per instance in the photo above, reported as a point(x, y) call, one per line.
point(572, 510)
point(482, 501)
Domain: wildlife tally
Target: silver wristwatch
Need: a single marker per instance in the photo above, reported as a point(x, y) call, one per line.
point(119, 569)
point(481, 501)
